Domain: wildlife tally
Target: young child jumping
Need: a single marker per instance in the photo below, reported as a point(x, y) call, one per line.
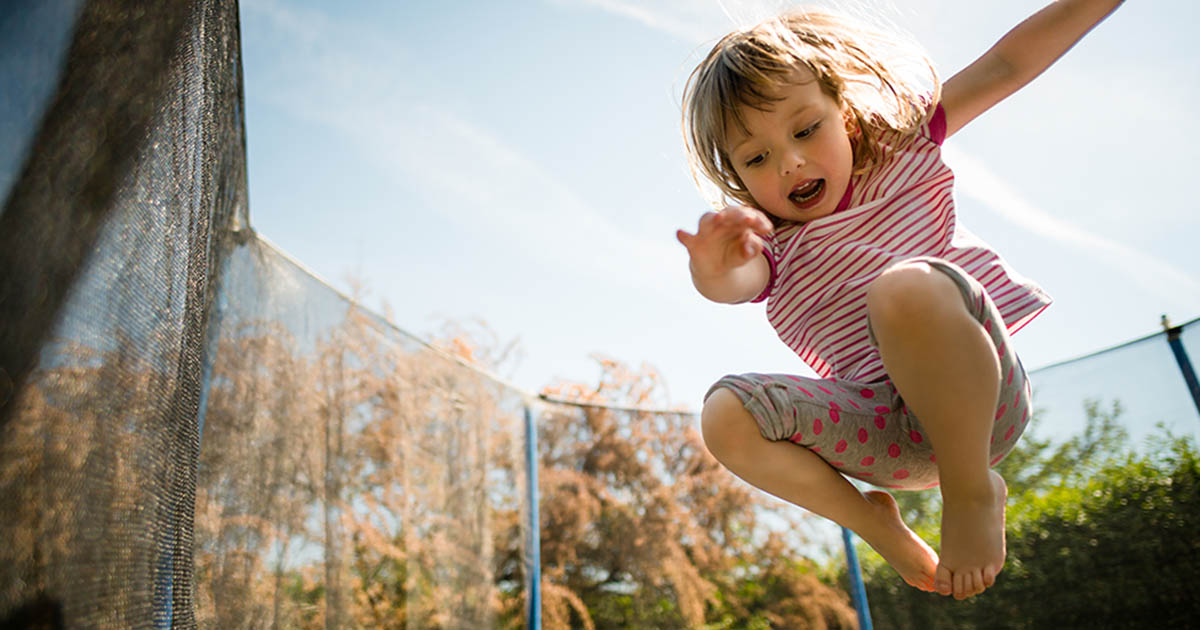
point(844, 224)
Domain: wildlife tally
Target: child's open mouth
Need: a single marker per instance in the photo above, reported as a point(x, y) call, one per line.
point(809, 194)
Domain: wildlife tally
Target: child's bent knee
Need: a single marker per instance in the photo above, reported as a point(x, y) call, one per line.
point(725, 423)
point(907, 292)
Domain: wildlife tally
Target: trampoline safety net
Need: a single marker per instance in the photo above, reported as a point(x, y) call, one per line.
point(194, 432)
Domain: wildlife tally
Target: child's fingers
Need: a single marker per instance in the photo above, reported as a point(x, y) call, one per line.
point(762, 224)
point(751, 244)
point(685, 238)
point(717, 227)
point(732, 235)
point(732, 219)
point(745, 216)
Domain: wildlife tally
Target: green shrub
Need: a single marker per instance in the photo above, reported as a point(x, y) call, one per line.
point(1098, 537)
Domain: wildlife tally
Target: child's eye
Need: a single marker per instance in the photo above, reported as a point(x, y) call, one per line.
point(808, 131)
point(756, 160)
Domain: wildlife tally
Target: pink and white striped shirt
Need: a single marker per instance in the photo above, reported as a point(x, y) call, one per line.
point(901, 208)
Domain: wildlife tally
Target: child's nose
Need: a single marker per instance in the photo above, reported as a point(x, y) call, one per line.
point(791, 161)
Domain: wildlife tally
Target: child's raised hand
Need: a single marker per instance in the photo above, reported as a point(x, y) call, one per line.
point(725, 240)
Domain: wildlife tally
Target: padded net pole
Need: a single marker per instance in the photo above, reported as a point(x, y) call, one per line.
point(858, 591)
point(1185, 362)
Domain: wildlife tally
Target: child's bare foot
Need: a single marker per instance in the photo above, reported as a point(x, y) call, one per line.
point(910, 556)
point(973, 546)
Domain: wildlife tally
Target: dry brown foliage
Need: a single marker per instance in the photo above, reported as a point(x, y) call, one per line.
point(634, 505)
point(364, 480)
point(84, 460)
point(367, 483)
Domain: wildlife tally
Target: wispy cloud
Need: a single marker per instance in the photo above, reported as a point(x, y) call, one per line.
point(977, 181)
point(473, 177)
point(699, 22)
point(686, 19)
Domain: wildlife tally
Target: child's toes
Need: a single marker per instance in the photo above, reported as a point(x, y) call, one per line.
point(925, 583)
point(973, 583)
point(989, 577)
point(977, 582)
point(967, 584)
point(943, 581)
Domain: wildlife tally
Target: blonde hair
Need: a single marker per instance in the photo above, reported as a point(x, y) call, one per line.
point(873, 76)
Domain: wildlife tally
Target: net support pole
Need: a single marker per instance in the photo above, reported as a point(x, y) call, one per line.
point(1185, 363)
point(857, 591)
point(533, 551)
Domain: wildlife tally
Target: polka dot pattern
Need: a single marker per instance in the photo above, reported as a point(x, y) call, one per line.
point(865, 430)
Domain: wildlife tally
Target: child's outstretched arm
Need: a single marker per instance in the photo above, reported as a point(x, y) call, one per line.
point(726, 254)
point(1018, 57)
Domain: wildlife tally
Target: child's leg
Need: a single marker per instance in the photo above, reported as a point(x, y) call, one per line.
point(945, 365)
point(799, 476)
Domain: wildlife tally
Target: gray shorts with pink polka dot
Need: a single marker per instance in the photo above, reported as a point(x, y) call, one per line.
point(864, 430)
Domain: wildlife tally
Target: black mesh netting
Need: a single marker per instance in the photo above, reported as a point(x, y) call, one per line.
point(124, 170)
point(196, 432)
point(350, 475)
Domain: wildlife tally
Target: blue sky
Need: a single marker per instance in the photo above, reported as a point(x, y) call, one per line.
point(522, 163)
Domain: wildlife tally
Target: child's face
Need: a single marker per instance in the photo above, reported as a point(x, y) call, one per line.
point(796, 159)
